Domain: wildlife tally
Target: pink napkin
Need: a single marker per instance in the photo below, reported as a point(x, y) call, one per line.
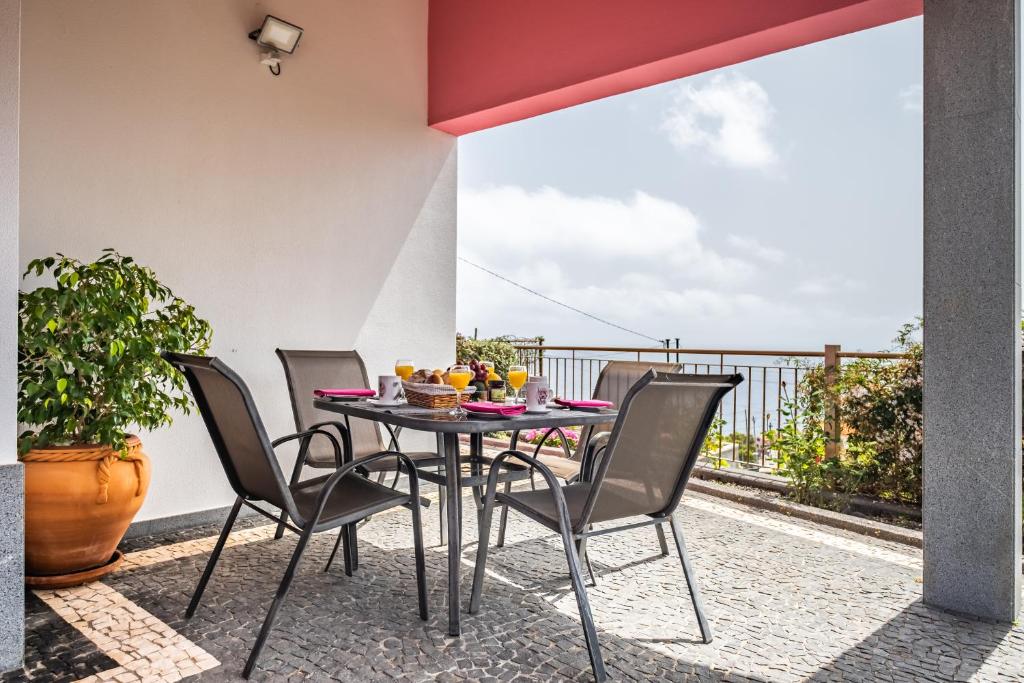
point(322, 393)
point(493, 408)
point(583, 404)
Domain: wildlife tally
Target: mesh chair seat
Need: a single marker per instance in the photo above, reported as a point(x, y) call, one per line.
point(351, 500)
point(540, 505)
point(563, 468)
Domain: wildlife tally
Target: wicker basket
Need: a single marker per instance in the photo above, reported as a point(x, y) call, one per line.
point(434, 395)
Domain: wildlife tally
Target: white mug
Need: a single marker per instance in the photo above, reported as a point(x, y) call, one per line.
point(537, 394)
point(389, 389)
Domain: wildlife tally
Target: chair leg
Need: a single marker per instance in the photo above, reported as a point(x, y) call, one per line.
point(481, 553)
point(214, 556)
point(346, 549)
point(660, 530)
point(334, 551)
point(421, 570)
point(581, 550)
point(381, 476)
point(691, 581)
point(442, 503)
point(353, 546)
point(282, 591)
point(503, 522)
point(583, 603)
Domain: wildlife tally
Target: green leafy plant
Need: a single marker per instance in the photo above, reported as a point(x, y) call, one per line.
point(89, 364)
point(499, 351)
point(878, 406)
point(711, 450)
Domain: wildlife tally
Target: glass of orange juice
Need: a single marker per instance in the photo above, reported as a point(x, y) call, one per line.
point(404, 368)
point(517, 376)
point(459, 377)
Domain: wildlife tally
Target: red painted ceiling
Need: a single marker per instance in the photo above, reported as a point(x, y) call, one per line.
point(496, 61)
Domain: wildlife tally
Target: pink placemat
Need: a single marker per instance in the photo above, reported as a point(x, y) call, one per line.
point(583, 404)
point(493, 408)
point(321, 393)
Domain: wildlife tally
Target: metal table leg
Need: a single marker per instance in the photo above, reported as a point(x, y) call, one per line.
point(453, 491)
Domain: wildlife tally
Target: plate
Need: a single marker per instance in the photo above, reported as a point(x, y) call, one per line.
point(384, 404)
point(537, 412)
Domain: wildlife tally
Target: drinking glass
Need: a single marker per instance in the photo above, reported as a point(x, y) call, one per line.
point(404, 368)
point(459, 377)
point(517, 376)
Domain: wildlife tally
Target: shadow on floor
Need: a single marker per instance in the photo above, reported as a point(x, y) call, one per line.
point(921, 643)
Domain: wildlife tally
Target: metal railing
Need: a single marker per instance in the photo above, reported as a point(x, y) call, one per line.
point(755, 407)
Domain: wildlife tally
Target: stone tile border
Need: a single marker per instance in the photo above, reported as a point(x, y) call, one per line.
point(904, 557)
point(860, 525)
point(146, 648)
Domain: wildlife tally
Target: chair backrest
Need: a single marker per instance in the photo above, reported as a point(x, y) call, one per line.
point(654, 444)
point(309, 370)
point(236, 429)
point(614, 382)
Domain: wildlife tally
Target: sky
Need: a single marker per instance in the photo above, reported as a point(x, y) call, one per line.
point(772, 204)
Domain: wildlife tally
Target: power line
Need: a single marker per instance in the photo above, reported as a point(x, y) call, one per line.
point(559, 303)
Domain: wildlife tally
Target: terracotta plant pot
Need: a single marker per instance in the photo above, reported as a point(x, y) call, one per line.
point(79, 501)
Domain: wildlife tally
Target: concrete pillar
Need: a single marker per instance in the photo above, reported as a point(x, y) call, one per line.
point(12, 594)
point(972, 303)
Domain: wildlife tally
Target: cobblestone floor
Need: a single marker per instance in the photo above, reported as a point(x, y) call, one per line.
point(788, 601)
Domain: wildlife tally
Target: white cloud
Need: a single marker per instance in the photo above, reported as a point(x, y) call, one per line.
point(728, 116)
point(590, 236)
point(912, 98)
point(639, 262)
point(830, 284)
point(752, 246)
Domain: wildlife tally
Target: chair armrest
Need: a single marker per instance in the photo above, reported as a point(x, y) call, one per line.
point(346, 438)
point(305, 438)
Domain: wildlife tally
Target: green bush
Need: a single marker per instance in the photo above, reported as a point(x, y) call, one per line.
point(878, 404)
point(89, 364)
point(499, 351)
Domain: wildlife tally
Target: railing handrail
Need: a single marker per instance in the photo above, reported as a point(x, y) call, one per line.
point(883, 355)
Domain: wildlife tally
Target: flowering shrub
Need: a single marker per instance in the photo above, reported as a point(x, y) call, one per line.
point(534, 436)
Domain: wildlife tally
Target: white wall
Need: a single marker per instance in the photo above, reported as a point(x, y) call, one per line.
point(313, 210)
point(10, 24)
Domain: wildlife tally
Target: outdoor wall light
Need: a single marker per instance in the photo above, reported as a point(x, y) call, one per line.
point(279, 36)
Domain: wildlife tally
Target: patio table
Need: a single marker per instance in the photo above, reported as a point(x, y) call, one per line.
point(450, 427)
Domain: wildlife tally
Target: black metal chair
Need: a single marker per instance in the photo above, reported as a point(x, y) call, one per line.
point(641, 471)
point(338, 500)
point(306, 371)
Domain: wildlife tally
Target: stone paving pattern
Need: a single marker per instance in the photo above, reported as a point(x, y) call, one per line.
point(788, 601)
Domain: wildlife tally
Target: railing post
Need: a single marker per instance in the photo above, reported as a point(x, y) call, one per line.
point(833, 426)
point(540, 356)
